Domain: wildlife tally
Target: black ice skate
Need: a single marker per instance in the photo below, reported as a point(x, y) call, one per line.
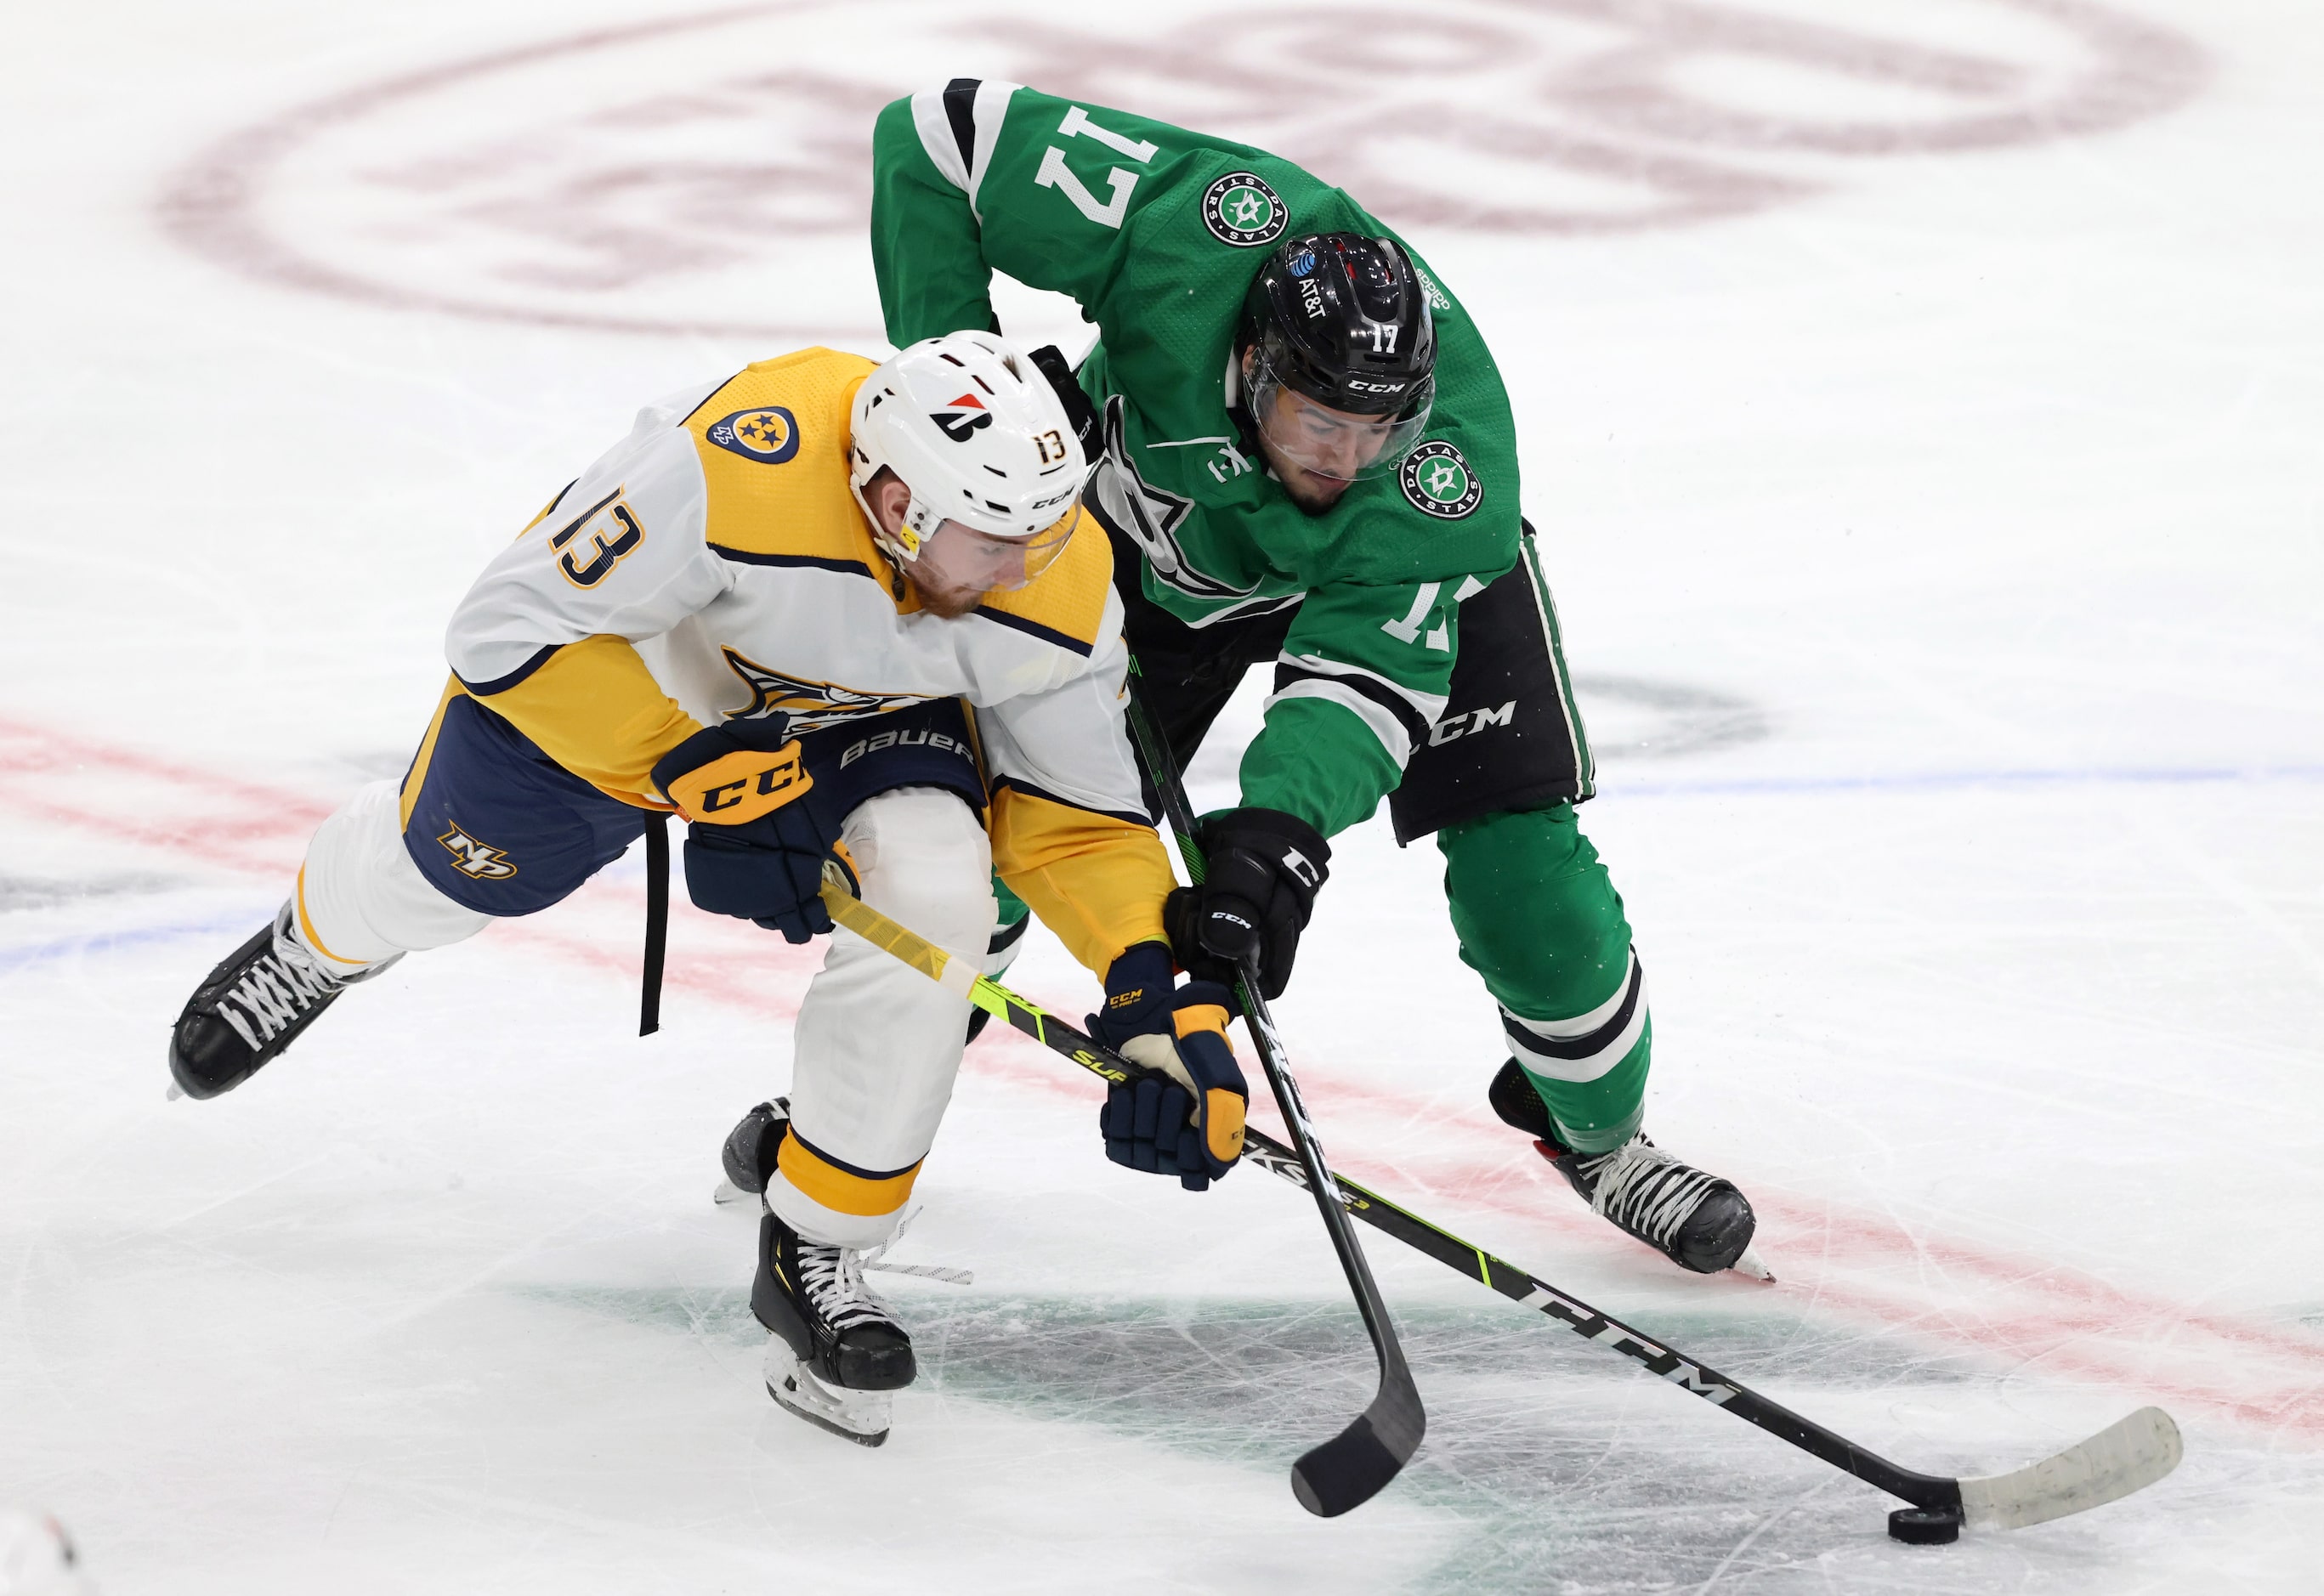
point(251, 1008)
point(837, 1351)
point(750, 1149)
point(1697, 1221)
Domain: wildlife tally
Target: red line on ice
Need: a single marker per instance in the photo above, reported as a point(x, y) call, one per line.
point(37, 765)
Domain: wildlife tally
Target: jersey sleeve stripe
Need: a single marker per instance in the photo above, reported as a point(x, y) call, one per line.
point(750, 556)
point(960, 113)
point(1418, 711)
point(1384, 722)
point(931, 114)
point(1015, 784)
point(501, 684)
point(992, 110)
point(1034, 629)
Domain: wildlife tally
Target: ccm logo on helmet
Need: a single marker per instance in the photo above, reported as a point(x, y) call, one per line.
point(1358, 385)
point(963, 416)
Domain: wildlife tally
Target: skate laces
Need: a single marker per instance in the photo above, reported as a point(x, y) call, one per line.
point(877, 1258)
point(1645, 1190)
point(834, 1278)
point(280, 987)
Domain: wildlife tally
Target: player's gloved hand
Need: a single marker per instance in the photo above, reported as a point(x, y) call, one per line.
point(1185, 1118)
point(1051, 362)
point(752, 850)
point(1261, 869)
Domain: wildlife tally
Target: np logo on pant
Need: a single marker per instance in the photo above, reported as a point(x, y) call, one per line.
point(470, 857)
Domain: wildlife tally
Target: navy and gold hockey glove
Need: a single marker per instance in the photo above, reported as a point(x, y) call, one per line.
point(752, 850)
point(1261, 869)
point(1185, 1116)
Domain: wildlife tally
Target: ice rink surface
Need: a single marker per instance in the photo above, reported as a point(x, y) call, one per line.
point(1921, 402)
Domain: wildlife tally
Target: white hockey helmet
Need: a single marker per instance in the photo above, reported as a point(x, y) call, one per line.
point(969, 425)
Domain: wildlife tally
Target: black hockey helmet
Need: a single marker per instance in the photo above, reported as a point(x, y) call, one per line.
point(1344, 320)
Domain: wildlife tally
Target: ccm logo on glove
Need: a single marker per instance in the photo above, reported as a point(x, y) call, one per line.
point(751, 849)
point(1262, 869)
point(737, 787)
point(1185, 1116)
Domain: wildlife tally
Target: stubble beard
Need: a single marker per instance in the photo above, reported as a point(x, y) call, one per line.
point(1313, 494)
point(947, 603)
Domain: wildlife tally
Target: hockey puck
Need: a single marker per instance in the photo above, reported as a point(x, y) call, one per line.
point(1926, 1527)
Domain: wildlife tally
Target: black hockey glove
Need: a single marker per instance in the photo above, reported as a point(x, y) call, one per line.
point(1079, 411)
point(1186, 1116)
point(751, 849)
point(1261, 869)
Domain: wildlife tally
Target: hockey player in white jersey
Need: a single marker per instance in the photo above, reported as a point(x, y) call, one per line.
point(820, 611)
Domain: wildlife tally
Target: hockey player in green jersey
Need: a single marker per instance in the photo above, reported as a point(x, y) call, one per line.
point(1306, 456)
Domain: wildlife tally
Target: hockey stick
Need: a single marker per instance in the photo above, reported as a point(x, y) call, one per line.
point(2124, 1457)
point(1350, 1468)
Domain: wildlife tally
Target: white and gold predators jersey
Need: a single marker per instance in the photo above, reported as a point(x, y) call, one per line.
point(715, 565)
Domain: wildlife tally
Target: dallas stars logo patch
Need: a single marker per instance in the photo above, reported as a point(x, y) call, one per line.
point(1240, 209)
point(768, 436)
point(1437, 482)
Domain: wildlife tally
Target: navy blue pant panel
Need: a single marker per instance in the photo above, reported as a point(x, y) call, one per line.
point(502, 828)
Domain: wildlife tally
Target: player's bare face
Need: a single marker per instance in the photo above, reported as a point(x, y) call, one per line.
point(1315, 451)
point(957, 566)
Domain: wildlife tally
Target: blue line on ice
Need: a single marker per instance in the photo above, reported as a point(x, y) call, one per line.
point(1947, 780)
point(13, 959)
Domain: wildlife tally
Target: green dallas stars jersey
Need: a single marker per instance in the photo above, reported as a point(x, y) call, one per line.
point(1157, 232)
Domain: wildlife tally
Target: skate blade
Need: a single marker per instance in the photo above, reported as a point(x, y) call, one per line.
point(728, 1193)
point(1754, 1266)
point(861, 1416)
point(176, 1091)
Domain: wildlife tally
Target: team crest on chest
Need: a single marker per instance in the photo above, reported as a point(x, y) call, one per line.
point(1436, 480)
point(1240, 209)
point(769, 435)
point(810, 705)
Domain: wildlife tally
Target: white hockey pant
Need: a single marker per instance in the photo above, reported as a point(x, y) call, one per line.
point(359, 897)
point(878, 1044)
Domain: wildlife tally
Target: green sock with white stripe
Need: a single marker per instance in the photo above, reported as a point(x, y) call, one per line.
point(1539, 919)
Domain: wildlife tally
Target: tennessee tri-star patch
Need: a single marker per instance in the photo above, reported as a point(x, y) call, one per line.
point(769, 435)
point(1436, 480)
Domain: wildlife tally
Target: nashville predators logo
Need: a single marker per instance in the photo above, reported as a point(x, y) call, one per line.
point(811, 704)
point(477, 860)
point(770, 435)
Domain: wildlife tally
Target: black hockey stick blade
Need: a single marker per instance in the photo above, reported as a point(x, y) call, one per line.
point(1349, 1469)
point(1353, 1466)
